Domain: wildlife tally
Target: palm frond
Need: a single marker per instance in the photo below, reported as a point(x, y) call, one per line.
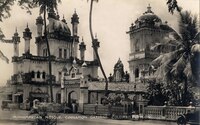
point(179, 66)
point(166, 58)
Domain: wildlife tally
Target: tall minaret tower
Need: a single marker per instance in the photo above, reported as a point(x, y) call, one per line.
point(95, 46)
point(82, 48)
point(16, 41)
point(75, 22)
point(27, 37)
point(39, 23)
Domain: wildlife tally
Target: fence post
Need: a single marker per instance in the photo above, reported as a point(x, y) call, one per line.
point(164, 109)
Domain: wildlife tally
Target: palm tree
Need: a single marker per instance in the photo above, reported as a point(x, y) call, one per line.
point(177, 65)
point(94, 47)
point(45, 6)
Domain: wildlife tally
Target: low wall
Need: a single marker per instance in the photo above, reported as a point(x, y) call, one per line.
point(105, 110)
point(93, 109)
point(170, 113)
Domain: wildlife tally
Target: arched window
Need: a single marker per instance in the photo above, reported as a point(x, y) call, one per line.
point(60, 53)
point(136, 73)
point(38, 74)
point(43, 75)
point(59, 76)
point(137, 45)
point(65, 53)
point(73, 75)
point(32, 74)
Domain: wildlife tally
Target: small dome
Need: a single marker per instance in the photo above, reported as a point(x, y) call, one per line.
point(57, 25)
point(39, 20)
point(148, 17)
point(84, 64)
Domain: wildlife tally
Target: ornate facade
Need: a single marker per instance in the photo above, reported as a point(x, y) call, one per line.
point(147, 31)
point(30, 79)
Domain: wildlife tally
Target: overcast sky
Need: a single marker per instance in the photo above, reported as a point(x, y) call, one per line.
point(111, 21)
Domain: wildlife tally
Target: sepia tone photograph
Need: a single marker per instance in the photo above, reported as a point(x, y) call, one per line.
point(94, 62)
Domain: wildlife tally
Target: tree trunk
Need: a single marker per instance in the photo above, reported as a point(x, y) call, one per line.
point(49, 55)
point(95, 49)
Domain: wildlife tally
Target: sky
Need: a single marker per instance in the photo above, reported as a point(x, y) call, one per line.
point(111, 21)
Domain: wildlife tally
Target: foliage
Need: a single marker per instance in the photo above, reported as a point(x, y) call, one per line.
point(172, 93)
point(177, 65)
point(172, 6)
point(5, 7)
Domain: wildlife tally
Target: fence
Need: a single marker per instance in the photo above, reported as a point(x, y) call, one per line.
point(105, 110)
point(170, 113)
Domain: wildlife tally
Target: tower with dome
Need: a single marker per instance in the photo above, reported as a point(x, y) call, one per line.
point(147, 31)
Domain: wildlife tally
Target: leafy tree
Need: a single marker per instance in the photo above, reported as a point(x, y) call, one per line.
point(159, 92)
point(45, 6)
point(177, 65)
point(172, 6)
point(94, 47)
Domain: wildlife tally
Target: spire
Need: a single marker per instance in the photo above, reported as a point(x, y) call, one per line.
point(63, 20)
point(27, 33)
point(75, 18)
point(52, 13)
point(148, 9)
point(16, 33)
point(82, 39)
point(95, 35)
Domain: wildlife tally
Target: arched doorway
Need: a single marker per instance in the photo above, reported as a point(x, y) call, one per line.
point(72, 97)
point(72, 101)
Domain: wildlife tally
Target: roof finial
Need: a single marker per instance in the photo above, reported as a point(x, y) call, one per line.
point(95, 35)
point(82, 39)
point(74, 10)
point(27, 25)
point(149, 8)
point(16, 30)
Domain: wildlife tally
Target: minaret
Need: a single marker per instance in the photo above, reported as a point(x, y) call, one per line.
point(82, 48)
point(27, 37)
point(16, 41)
point(39, 23)
point(95, 46)
point(75, 22)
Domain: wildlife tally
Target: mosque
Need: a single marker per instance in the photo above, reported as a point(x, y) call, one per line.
point(75, 79)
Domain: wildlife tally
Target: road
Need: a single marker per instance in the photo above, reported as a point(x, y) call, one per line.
point(21, 117)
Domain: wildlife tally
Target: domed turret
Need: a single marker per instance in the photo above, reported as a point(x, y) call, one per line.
point(27, 37)
point(39, 23)
point(148, 18)
point(75, 22)
point(58, 28)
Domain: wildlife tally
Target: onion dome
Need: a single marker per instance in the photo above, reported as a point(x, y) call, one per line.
point(27, 33)
point(60, 27)
point(148, 17)
point(63, 20)
point(39, 20)
point(75, 18)
point(84, 64)
point(16, 38)
point(82, 45)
